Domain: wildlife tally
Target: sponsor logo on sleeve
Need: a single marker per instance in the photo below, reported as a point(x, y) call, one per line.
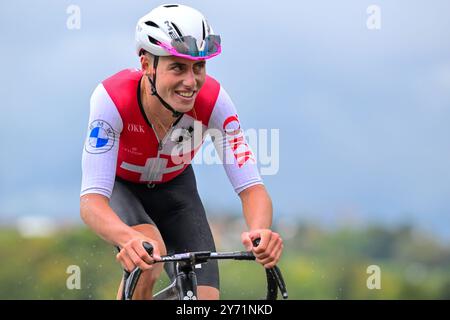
point(235, 137)
point(101, 137)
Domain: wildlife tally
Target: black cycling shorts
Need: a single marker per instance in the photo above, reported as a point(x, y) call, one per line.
point(176, 210)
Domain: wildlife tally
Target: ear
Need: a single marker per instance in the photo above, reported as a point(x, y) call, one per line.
point(146, 64)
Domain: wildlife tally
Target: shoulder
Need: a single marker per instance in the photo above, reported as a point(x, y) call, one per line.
point(209, 92)
point(103, 110)
point(223, 110)
point(123, 77)
point(122, 86)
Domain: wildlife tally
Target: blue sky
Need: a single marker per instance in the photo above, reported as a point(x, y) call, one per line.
point(362, 114)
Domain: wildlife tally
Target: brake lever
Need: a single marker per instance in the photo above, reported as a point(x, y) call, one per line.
point(130, 279)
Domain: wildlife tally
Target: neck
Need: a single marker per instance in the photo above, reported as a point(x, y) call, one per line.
point(153, 106)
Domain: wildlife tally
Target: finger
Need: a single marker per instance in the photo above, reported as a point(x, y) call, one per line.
point(272, 246)
point(264, 235)
point(137, 260)
point(270, 258)
point(278, 254)
point(143, 254)
point(271, 252)
point(156, 253)
point(262, 256)
point(274, 263)
point(126, 262)
point(246, 241)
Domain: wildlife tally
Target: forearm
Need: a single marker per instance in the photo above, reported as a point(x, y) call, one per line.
point(257, 207)
point(98, 215)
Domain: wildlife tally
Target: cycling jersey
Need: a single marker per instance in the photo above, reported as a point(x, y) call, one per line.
point(121, 141)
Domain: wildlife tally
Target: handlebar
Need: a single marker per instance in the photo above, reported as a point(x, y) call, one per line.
point(274, 278)
point(130, 279)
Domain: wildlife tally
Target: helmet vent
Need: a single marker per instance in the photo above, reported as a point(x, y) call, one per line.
point(204, 32)
point(151, 24)
point(177, 30)
point(153, 40)
point(171, 6)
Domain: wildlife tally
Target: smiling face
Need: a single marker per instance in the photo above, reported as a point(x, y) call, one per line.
point(178, 80)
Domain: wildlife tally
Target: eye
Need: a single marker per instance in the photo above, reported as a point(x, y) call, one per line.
point(177, 67)
point(199, 66)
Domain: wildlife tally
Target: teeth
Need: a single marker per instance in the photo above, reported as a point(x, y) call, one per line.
point(186, 94)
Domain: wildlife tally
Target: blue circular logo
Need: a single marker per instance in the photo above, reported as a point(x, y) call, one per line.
point(98, 137)
point(101, 137)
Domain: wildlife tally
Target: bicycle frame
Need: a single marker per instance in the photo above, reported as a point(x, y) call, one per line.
point(184, 287)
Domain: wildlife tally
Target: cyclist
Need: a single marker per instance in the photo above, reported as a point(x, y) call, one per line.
point(145, 127)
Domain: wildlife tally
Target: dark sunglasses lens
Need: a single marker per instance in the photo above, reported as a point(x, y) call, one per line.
point(186, 45)
point(212, 44)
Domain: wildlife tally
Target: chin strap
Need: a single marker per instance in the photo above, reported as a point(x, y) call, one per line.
point(175, 113)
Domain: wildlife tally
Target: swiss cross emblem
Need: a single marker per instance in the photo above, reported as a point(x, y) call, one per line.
point(153, 170)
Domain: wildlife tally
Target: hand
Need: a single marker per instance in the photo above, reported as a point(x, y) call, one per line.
point(133, 254)
point(269, 250)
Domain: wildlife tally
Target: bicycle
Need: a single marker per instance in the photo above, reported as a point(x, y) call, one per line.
point(184, 287)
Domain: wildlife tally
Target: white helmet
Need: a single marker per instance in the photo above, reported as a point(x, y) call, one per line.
point(157, 31)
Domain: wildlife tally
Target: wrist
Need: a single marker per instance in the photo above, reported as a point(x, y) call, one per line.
point(258, 228)
point(126, 235)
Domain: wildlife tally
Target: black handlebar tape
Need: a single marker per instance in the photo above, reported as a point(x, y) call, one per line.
point(256, 242)
point(148, 247)
point(274, 278)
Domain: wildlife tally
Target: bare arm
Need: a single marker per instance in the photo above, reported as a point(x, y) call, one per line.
point(98, 215)
point(242, 171)
point(257, 207)
point(99, 168)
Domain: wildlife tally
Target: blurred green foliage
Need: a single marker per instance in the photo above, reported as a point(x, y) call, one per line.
point(317, 264)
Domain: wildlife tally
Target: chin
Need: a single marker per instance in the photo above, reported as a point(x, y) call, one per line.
point(183, 107)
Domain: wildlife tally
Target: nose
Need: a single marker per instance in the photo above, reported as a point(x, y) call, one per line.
point(189, 80)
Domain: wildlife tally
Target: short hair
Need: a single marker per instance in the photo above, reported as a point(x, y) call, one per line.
point(145, 52)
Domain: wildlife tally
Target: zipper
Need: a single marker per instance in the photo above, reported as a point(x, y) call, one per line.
point(160, 147)
point(162, 142)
